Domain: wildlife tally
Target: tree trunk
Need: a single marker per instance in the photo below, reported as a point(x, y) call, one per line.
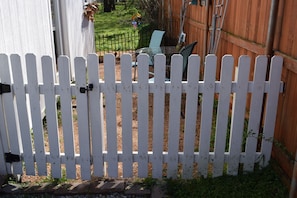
point(108, 5)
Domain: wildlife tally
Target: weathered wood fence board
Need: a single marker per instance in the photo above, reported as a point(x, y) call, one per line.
point(101, 148)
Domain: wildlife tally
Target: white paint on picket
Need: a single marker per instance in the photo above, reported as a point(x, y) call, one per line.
point(90, 116)
point(222, 114)
point(51, 116)
point(10, 115)
point(67, 117)
point(158, 115)
point(34, 97)
point(4, 141)
point(3, 133)
point(20, 96)
point(238, 115)
point(11, 118)
point(191, 115)
point(271, 108)
point(82, 117)
point(255, 112)
point(126, 106)
point(206, 114)
point(176, 72)
point(96, 115)
point(111, 122)
point(142, 114)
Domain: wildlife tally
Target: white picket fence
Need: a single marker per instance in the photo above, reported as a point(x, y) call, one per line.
point(96, 153)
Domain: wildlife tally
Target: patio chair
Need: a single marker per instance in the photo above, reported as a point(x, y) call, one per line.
point(186, 51)
point(153, 48)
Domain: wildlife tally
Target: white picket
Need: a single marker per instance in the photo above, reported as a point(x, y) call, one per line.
point(176, 72)
point(51, 116)
point(20, 95)
point(66, 114)
point(11, 118)
point(271, 108)
point(255, 112)
point(34, 96)
point(111, 124)
point(222, 114)
point(191, 115)
point(4, 139)
point(96, 115)
point(158, 115)
point(142, 114)
point(126, 106)
point(206, 115)
point(90, 116)
point(238, 115)
point(10, 115)
point(82, 117)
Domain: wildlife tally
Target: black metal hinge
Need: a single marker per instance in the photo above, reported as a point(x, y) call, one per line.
point(87, 88)
point(10, 158)
point(4, 88)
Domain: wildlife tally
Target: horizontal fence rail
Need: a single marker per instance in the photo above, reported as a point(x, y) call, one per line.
point(183, 128)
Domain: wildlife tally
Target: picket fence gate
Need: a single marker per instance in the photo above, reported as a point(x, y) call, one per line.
point(23, 147)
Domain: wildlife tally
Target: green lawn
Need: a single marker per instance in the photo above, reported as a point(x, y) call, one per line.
point(114, 30)
point(116, 21)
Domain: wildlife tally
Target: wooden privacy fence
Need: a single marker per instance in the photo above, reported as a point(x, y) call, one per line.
point(183, 148)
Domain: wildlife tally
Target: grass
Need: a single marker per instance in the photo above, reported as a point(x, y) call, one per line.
point(261, 183)
point(114, 30)
point(116, 21)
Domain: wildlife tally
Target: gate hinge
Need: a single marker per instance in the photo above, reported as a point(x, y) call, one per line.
point(89, 87)
point(4, 88)
point(10, 158)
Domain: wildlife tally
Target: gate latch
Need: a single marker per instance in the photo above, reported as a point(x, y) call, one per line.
point(10, 158)
point(89, 87)
point(4, 88)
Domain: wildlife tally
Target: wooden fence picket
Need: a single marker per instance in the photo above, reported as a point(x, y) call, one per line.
point(126, 106)
point(67, 116)
point(111, 124)
point(143, 115)
point(271, 108)
point(255, 112)
point(191, 116)
point(96, 115)
point(81, 91)
point(222, 114)
point(174, 114)
point(238, 115)
point(51, 116)
point(34, 97)
point(206, 114)
point(158, 115)
point(158, 153)
point(22, 111)
point(10, 115)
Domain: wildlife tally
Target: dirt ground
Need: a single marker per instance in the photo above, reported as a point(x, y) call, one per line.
point(26, 178)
